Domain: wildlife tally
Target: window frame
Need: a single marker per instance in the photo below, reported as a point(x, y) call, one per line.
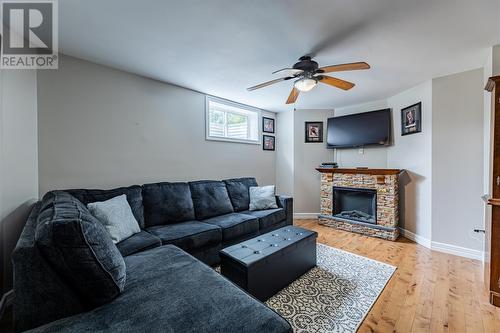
point(209, 99)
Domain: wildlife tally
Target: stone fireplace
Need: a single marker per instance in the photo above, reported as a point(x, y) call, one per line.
point(361, 200)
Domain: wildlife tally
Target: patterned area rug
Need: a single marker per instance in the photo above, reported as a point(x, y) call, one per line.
point(336, 295)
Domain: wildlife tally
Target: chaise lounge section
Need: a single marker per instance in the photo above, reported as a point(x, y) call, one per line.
point(169, 285)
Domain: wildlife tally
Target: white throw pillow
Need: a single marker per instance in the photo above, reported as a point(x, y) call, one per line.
point(116, 216)
point(262, 197)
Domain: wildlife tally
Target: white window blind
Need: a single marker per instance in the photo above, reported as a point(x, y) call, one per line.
point(228, 121)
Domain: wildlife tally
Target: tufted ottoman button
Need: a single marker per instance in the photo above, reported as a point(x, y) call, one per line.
point(256, 252)
point(275, 245)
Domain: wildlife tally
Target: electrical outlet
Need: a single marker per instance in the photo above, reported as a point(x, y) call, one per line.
point(361, 151)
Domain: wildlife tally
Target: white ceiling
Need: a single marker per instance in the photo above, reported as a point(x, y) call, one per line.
point(220, 47)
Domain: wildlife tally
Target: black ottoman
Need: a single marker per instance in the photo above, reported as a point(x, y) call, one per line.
point(266, 264)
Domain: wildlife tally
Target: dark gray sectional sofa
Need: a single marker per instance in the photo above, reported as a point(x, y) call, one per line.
point(70, 277)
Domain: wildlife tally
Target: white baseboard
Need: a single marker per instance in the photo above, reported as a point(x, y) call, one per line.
point(443, 247)
point(457, 250)
point(416, 238)
point(305, 216)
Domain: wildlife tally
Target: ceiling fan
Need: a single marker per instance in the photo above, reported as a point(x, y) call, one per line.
point(307, 74)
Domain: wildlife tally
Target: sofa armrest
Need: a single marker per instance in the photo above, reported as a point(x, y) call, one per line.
point(286, 202)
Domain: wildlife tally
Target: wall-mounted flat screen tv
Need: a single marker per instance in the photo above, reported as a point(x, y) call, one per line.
point(359, 130)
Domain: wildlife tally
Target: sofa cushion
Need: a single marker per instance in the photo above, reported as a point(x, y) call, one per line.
point(235, 225)
point(188, 235)
point(167, 203)
point(133, 193)
point(138, 242)
point(210, 198)
point(170, 291)
point(79, 248)
point(268, 217)
point(238, 191)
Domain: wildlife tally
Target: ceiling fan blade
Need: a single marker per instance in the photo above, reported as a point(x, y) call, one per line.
point(344, 67)
point(333, 81)
point(268, 83)
point(289, 71)
point(293, 96)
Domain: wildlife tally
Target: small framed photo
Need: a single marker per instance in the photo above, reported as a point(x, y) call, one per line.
point(314, 131)
point(268, 142)
point(411, 119)
point(267, 125)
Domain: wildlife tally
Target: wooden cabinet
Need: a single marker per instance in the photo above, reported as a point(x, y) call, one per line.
point(492, 228)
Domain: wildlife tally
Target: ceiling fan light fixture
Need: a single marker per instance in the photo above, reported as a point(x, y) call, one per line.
point(305, 84)
point(306, 74)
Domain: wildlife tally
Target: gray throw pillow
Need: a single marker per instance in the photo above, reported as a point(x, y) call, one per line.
point(116, 216)
point(262, 198)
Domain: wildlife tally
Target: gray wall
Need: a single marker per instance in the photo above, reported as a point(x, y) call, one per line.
point(284, 153)
point(18, 160)
point(413, 153)
point(440, 192)
point(297, 160)
point(101, 127)
point(307, 157)
point(496, 60)
point(457, 159)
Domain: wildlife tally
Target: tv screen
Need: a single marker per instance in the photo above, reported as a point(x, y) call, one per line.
point(361, 129)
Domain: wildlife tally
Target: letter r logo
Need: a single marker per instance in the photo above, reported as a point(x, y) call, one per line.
point(27, 27)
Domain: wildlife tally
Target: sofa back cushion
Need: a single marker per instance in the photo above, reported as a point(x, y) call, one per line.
point(210, 198)
point(79, 248)
point(238, 189)
point(133, 193)
point(167, 203)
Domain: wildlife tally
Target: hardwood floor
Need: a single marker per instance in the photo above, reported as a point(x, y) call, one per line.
point(429, 292)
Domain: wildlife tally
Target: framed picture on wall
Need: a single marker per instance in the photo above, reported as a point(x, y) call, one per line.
point(268, 142)
point(411, 119)
point(314, 131)
point(267, 125)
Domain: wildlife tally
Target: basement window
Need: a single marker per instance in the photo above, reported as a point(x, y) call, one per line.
point(229, 121)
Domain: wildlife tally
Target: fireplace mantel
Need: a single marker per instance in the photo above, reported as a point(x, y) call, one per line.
point(361, 171)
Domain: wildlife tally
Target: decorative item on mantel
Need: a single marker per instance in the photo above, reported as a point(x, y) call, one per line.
point(328, 165)
point(361, 200)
